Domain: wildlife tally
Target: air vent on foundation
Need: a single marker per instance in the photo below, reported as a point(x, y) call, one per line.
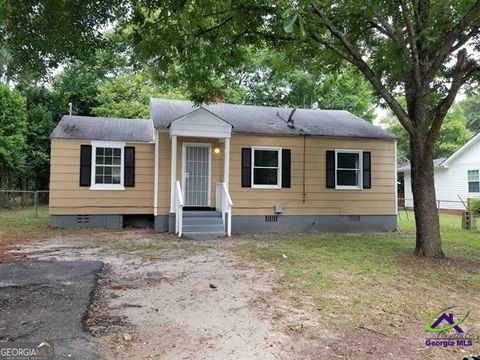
point(354, 218)
point(271, 218)
point(83, 219)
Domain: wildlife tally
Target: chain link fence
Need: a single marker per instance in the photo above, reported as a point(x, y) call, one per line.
point(16, 204)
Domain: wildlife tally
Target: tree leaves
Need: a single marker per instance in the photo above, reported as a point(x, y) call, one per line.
point(288, 26)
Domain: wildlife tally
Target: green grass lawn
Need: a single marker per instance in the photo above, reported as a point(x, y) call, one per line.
point(20, 225)
point(374, 279)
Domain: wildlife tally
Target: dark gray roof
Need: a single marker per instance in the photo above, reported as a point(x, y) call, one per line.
point(100, 128)
point(436, 163)
point(271, 120)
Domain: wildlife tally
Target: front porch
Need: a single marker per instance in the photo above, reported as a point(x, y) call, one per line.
point(200, 203)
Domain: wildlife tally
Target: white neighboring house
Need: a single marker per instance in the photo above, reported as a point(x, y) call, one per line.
point(455, 176)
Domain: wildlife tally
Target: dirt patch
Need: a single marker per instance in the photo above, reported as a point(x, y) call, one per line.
point(160, 297)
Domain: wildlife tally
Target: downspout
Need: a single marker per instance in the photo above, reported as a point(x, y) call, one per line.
point(304, 194)
point(155, 171)
point(396, 178)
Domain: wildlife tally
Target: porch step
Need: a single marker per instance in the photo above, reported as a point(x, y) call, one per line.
point(204, 235)
point(203, 228)
point(208, 220)
point(203, 225)
point(202, 214)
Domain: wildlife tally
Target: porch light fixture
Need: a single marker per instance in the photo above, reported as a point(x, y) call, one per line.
point(216, 150)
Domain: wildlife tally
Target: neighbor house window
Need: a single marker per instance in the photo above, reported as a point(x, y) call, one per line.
point(348, 168)
point(107, 165)
point(266, 169)
point(473, 181)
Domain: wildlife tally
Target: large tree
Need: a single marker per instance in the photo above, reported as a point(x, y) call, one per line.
point(37, 36)
point(414, 48)
point(128, 96)
point(453, 134)
point(12, 136)
point(44, 110)
point(265, 79)
point(79, 84)
point(471, 107)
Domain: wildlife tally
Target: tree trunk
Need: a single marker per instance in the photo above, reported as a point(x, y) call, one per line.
point(424, 199)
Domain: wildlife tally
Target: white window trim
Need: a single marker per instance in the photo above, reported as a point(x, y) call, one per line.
point(279, 173)
point(360, 169)
point(468, 181)
point(107, 144)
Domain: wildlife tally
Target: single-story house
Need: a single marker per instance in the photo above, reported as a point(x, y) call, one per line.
point(457, 178)
point(222, 168)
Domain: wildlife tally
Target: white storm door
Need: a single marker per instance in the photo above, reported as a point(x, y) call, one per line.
point(196, 174)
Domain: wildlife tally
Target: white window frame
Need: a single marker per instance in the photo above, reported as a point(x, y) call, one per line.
point(468, 181)
point(107, 144)
point(279, 167)
point(360, 169)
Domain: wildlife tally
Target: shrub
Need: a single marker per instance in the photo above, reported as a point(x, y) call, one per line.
point(475, 206)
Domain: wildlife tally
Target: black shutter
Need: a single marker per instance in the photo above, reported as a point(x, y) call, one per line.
point(367, 172)
point(246, 167)
point(85, 165)
point(129, 166)
point(330, 169)
point(286, 160)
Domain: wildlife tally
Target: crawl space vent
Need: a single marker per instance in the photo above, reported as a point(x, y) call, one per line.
point(83, 219)
point(271, 218)
point(354, 218)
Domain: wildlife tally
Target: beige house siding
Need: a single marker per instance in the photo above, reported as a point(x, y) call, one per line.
point(379, 200)
point(67, 197)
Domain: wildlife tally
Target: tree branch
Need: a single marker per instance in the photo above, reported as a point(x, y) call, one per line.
point(462, 67)
point(215, 27)
point(331, 46)
point(453, 36)
point(411, 35)
point(353, 56)
point(385, 28)
point(464, 39)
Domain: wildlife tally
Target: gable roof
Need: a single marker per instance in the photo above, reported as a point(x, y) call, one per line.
point(271, 120)
point(101, 128)
point(443, 162)
point(436, 163)
point(475, 139)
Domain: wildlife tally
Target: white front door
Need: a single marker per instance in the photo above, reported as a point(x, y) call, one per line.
point(196, 174)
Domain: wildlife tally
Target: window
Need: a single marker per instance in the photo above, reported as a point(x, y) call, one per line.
point(348, 168)
point(107, 165)
point(473, 181)
point(266, 169)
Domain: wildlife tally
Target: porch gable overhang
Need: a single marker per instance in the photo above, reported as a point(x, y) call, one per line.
point(200, 123)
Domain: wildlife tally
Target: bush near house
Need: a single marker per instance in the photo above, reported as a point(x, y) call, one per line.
point(475, 207)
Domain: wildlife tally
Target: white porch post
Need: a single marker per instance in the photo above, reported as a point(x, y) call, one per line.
point(226, 163)
point(173, 172)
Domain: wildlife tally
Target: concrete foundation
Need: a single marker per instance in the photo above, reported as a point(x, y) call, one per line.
point(87, 221)
point(249, 224)
point(313, 223)
point(271, 224)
